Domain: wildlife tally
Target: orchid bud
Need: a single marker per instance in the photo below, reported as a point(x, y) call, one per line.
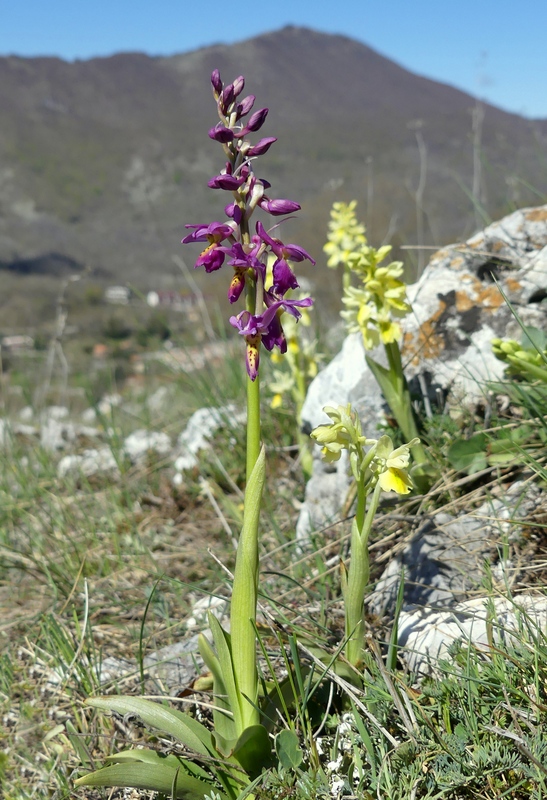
point(217, 83)
point(256, 121)
point(245, 106)
point(279, 207)
point(238, 85)
point(226, 98)
point(261, 147)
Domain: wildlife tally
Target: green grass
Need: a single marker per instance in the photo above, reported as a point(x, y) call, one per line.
point(100, 569)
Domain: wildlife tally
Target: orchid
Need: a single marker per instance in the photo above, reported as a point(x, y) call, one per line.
point(346, 234)
point(240, 745)
point(391, 465)
point(527, 358)
point(376, 466)
point(374, 308)
point(232, 242)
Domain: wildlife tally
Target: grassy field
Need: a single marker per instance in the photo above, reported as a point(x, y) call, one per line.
point(100, 572)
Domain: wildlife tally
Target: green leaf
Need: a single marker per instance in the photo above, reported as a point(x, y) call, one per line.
point(534, 339)
point(461, 732)
point(253, 750)
point(224, 746)
point(167, 720)
point(147, 756)
point(223, 721)
point(224, 653)
point(281, 697)
point(77, 743)
point(469, 455)
point(288, 749)
point(150, 777)
point(396, 394)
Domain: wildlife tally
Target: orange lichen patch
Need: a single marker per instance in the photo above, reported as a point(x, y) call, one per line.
point(497, 246)
point(513, 285)
point(464, 302)
point(456, 262)
point(490, 298)
point(476, 245)
point(537, 215)
point(425, 343)
point(440, 254)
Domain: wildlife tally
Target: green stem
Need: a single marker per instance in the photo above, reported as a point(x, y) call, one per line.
point(253, 423)
point(402, 410)
point(244, 600)
point(359, 573)
point(245, 587)
point(306, 458)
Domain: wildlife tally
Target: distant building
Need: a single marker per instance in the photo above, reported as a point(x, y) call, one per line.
point(117, 295)
point(171, 299)
point(17, 343)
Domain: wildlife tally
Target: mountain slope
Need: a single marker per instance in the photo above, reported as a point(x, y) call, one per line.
point(105, 160)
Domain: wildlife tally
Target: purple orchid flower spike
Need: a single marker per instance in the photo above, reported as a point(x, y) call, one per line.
point(232, 243)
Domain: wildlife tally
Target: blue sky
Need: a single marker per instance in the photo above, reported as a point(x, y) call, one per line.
point(491, 48)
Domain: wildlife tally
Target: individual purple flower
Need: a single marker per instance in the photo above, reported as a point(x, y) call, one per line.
point(227, 97)
point(234, 211)
point(242, 261)
point(247, 258)
point(237, 285)
point(225, 181)
point(254, 327)
point(212, 258)
point(283, 276)
point(279, 207)
point(266, 328)
point(221, 134)
point(214, 232)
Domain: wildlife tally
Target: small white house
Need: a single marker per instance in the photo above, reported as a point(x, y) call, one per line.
point(117, 295)
point(17, 342)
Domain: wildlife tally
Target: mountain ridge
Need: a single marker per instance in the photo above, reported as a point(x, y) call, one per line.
point(106, 159)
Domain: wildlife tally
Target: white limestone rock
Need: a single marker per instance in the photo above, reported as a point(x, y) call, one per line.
point(89, 463)
point(210, 604)
point(425, 635)
point(141, 442)
point(201, 428)
point(445, 559)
